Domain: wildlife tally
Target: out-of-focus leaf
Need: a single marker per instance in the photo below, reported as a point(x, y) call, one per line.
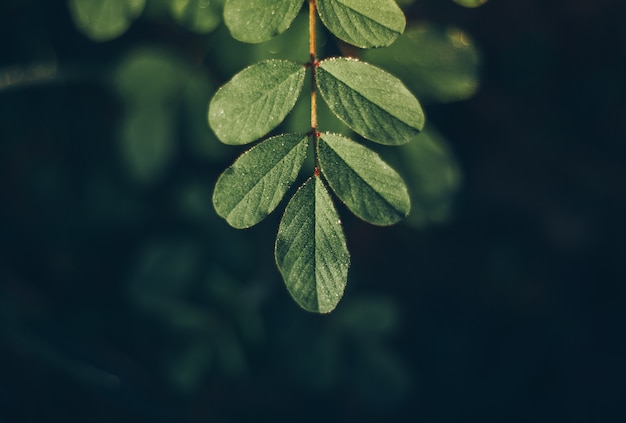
point(255, 21)
point(200, 16)
point(372, 102)
point(103, 20)
point(369, 317)
point(433, 177)
point(363, 23)
point(439, 64)
point(253, 186)
point(311, 251)
point(370, 188)
point(255, 101)
point(160, 92)
point(147, 142)
point(470, 3)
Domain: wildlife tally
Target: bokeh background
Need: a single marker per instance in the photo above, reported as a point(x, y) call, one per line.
point(124, 298)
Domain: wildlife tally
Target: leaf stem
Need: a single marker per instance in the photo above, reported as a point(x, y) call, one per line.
point(313, 65)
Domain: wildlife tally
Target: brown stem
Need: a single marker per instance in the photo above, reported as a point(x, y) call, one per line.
point(313, 63)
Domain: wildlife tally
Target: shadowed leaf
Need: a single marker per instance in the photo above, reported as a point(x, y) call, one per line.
point(103, 20)
point(200, 16)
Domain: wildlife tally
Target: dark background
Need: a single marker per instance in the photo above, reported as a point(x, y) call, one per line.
point(128, 302)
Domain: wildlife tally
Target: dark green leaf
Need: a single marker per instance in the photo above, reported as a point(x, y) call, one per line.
point(370, 188)
point(103, 20)
point(372, 102)
point(470, 3)
point(255, 101)
point(445, 69)
point(311, 251)
point(255, 21)
point(253, 186)
point(200, 16)
point(433, 176)
point(363, 23)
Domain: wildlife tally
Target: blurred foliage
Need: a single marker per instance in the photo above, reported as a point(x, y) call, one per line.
point(104, 20)
point(123, 297)
point(437, 63)
point(470, 3)
point(185, 295)
point(161, 93)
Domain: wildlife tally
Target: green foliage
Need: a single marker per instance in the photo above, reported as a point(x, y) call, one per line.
point(363, 23)
point(470, 3)
point(373, 103)
point(255, 101)
point(253, 186)
point(255, 21)
point(439, 64)
point(103, 20)
point(159, 92)
point(370, 188)
point(200, 16)
point(311, 251)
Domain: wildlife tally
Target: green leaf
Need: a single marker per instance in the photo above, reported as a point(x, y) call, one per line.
point(255, 101)
point(470, 3)
point(363, 23)
point(200, 16)
point(370, 188)
point(446, 68)
point(253, 186)
point(103, 20)
point(372, 102)
point(433, 176)
point(255, 21)
point(311, 251)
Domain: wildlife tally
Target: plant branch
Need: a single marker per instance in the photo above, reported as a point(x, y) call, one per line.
point(313, 65)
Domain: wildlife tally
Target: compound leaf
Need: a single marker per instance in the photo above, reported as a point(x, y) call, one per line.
point(370, 188)
point(255, 101)
point(372, 102)
point(104, 20)
point(253, 186)
point(363, 23)
point(311, 251)
point(255, 21)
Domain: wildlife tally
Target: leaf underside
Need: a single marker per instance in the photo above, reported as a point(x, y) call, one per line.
point(367, 185)
point(311, 251)
point(372, 102)
point(255, 101)
point(363, 23)
point(255, 21)
point(253, 186)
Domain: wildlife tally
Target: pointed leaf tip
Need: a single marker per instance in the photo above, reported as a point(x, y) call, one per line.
point(311, 251)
